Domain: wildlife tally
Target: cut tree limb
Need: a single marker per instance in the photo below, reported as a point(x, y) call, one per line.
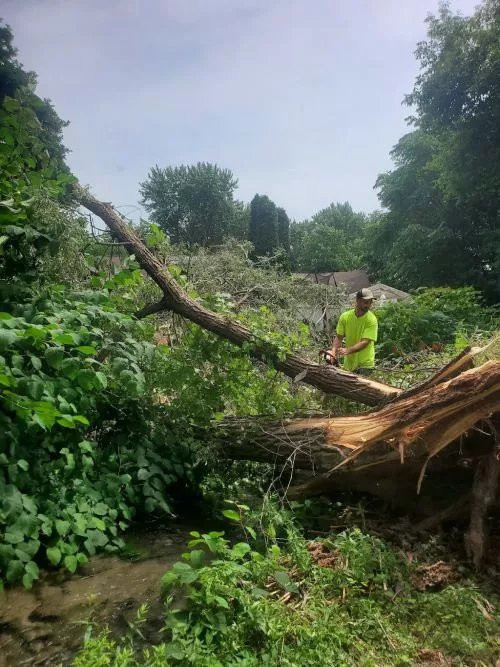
point(326, 378)
point(359, 451)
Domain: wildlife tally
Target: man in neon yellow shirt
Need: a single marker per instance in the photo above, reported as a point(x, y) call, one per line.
point(359, 328)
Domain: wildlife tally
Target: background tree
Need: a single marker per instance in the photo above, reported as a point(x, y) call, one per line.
point(263, 231)
point(240, 222)
point(192, 204)
point(443, 220)
point(331, 241)
point(32, 171)
point(14, 81)
point(283, 230)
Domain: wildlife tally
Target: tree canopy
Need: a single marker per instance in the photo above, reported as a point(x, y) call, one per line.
point(331, 241)
point(263, 230)
point(192, 204)
point(443, 219)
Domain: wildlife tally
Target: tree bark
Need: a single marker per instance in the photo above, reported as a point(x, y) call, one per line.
point(379, 451)
point(484, 494)
point(326, 378)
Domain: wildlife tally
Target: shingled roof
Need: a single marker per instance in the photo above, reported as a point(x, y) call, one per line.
point(351, 280)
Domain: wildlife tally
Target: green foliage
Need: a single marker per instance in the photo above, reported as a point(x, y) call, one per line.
point(268, 605)
point(283, 230)
point(263, 230)
point(330, 241)
point(97, 424)
point(82, 446)
point(193, 204)
point(249, 285)
point(13, 79)
point(442, 225)
point(432, 319)
point(26, 168)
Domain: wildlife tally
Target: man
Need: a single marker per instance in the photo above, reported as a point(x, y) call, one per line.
point(359, 328)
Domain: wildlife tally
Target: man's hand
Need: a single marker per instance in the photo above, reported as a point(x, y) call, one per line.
point(331, 357)
point(343, 351)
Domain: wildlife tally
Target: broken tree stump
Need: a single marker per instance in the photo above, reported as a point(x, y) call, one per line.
point(484, 494)
point(380, 451)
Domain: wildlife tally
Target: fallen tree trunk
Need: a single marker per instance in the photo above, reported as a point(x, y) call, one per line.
point(383, 451)
point(326, 378)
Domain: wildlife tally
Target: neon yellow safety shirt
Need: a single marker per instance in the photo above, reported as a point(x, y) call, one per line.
point(353, 329)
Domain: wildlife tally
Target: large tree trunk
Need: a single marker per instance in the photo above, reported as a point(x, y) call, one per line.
point(326, 378)
point(385, 452)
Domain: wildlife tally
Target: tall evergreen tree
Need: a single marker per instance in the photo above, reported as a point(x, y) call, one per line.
point(263, 230)
point(284, 230)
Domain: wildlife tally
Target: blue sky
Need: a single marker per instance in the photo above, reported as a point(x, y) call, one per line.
point(301, 100)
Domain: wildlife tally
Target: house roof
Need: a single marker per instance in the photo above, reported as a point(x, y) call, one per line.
point(352, 280)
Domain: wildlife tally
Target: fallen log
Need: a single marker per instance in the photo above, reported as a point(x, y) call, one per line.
point(326, 378)
point(385, 451)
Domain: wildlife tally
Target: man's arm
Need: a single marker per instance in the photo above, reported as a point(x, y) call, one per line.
point(336, 345)
point(344, 351)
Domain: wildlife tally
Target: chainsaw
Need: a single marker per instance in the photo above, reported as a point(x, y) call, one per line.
point(329, 358)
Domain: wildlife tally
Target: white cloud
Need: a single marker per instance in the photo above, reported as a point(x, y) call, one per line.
point(302, 100)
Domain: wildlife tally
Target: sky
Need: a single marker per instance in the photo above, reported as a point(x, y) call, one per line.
point(301, 99)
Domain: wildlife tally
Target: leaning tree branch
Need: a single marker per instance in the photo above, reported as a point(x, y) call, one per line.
point(326, 378)
point(153, 308)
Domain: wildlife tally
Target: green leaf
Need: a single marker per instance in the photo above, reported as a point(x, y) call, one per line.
point(13, 536)
point(143, 474)
point(251, 532)
point(259, 592)
point(86, 378)
point(99, 524)
point(231, 514)
point(196, 558)
point(101, 509)
point(62, 527)
point(185, 573)
point(70, 367)
point(36, 389)
point(284, 580)
point(81, 419)
point(27, 581)
point(103, 381)
point(27, 550)
point(23, 464)
point(15, 570)
point(54, 357)
point(66, 422)
point(239, 550)
point(221, 602)
point(54, 555)
point(65, 339)
point(86, 349)
point(6, 339)
point(36, 363)
point(71, 563)
point(6, 380)
point(32, 569)
point(97, 539)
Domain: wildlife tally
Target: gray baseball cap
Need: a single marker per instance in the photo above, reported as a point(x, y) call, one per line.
point(365, 293)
